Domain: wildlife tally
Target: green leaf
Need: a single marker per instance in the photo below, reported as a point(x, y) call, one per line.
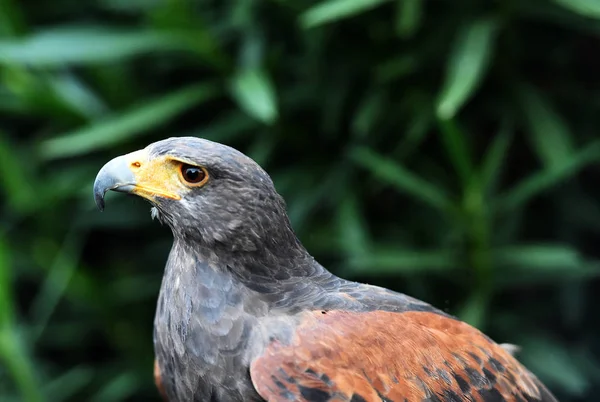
point(539, 257)
point(417, 130)
point(494, 158)
point(255, 94)
point(12, 20)
point(78, 96)
point(130, 6)
point(549, 134)
point(467, 65)
point(353, 233)
point(394, 261)
point(547, 178)
point(6, 293)
point(334, 10)
point(535, 264)
point(368, 113)
point(68, 383)
point(455, 141)
point(402, 179)
point(307, 197)
point(13, 357)
point(120, 388)
point(84, 45)
point(396, 68)
point(18, 188)
point(57, 279)
point(557, 16)
point(553, 363)
point(474, 310)
point(587, 8)
point(408, 18)
point(126, 126)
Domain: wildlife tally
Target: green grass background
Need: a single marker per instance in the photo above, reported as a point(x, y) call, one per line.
point(446, 149)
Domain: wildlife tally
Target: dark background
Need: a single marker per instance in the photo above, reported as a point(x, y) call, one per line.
point(446, 149)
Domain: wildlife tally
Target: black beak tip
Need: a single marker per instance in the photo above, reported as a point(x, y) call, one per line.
point(99, 198)
point(99, 202)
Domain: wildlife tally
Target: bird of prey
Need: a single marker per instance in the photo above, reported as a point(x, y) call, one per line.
point(245, 313)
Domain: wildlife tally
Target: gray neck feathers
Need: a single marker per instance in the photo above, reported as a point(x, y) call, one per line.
point(260, 277)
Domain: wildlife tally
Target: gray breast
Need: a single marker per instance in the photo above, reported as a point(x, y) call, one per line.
point(205, 336)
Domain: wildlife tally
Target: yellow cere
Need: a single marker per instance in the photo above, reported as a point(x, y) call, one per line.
point(156, 177)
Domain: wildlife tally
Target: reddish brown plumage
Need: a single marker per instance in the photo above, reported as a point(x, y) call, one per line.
point(158, 381)
point(410, 356)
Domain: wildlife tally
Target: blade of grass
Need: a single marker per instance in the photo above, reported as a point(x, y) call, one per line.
point(522, 265)
point(396, 68)
point(587, 8)
point(408, 17)
point(335, 10)
point(455, 141)
point(119, 388)
point(515, 277)
point(79, 97)
point(131, 124)
point(402, 179)
point(12, 21)
point(553, 363)
point(416, 133)
point(65, 386)
point(16, 183)
point(57, 279)
point(474, 310)
point(12, 351)
point(131, 6)
point(557, 16)
point(330, 185)
point(254, 92)
point(83, 45)
point(539, 257)
point(547, 178)
point(491, 167)
point(353, 234)
point(467, 65)
point(549, 134)
point(367, 114)
point(7, 318)
point(393, 261)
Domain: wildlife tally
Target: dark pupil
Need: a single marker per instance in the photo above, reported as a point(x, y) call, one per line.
point(193, 174)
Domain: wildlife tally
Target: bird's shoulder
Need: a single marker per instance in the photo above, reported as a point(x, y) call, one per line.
point(375, 344)
point(340, 294)
point(364, 297)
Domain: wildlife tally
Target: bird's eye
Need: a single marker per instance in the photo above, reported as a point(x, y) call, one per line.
point(193, 174)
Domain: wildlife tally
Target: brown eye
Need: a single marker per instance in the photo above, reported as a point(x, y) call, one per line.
point(193, 174)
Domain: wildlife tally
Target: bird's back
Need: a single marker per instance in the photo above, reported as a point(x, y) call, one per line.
point(365, 343)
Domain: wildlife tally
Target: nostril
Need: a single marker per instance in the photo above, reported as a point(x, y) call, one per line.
point(136, 164)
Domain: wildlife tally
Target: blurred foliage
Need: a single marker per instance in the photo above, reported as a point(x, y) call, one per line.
point(445, 149)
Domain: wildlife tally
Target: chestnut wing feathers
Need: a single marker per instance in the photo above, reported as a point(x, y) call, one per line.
point(386, 356)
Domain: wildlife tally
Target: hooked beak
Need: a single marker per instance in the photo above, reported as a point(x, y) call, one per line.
point(132, 173)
